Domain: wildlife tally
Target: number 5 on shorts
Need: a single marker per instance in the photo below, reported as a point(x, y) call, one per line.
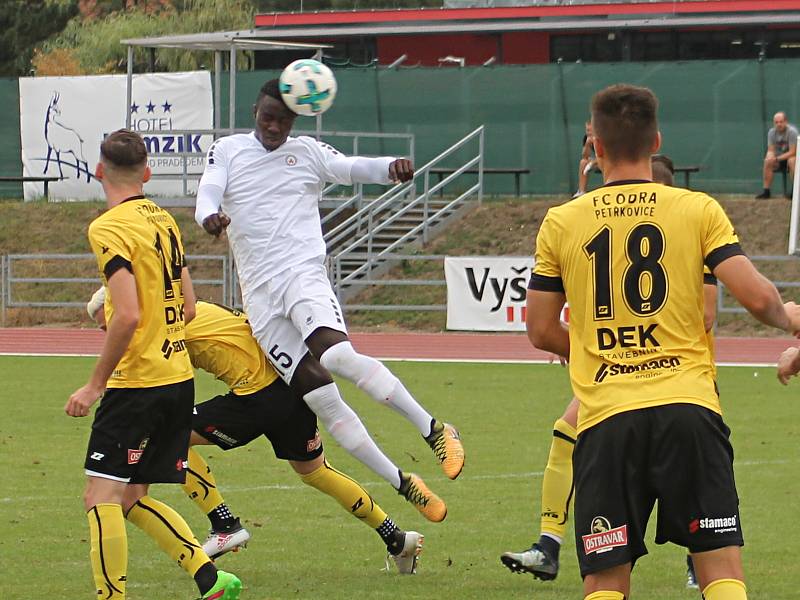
point(280, 360)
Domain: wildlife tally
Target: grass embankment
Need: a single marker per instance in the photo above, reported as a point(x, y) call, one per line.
point(499, 227)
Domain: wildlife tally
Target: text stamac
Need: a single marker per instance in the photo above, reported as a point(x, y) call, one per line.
point(605, 540)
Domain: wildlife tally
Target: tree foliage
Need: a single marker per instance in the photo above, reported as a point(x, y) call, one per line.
point(95, 43)
point(25, 23)
point(90, 42)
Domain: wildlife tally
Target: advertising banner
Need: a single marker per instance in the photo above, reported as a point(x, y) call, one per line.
point(63, 120)
point(487, 293)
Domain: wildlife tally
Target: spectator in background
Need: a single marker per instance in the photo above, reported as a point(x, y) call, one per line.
point(781, 151)
point(587, 162)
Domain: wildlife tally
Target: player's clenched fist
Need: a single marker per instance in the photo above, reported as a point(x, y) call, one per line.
point(215, 224)
point(788, 364)
point(401, 170)
point(82, 400)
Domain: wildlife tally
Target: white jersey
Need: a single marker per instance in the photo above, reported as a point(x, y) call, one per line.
point(272, 199)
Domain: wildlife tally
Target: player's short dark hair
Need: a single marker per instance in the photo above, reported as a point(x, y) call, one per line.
point(663, 169)
point(124, 148)
point(272, 89)
point(624, 118)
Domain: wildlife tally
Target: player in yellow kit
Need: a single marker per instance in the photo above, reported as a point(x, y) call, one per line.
point(140, 431)
point(219, 341)
point(628, 258)
point(541, 559)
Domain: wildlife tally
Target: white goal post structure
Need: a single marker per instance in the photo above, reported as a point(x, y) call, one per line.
point(793, 220)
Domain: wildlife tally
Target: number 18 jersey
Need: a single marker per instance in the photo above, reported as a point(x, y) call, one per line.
point(629, 256)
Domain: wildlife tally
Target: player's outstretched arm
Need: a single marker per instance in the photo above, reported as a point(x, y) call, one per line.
point(788, 364)
point(543, 322)
point(757, 294)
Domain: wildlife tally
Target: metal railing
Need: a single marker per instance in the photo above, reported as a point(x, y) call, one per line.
point(722, 294)
point(20, 274)
point(346, 242)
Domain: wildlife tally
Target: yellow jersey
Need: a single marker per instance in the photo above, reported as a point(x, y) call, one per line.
point(629, 257)
point(220, 342)
point(140, 236)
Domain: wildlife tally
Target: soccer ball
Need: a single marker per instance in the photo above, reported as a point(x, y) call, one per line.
point(308, 87)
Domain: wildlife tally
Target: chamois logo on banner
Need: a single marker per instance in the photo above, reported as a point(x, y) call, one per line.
point(65, 141)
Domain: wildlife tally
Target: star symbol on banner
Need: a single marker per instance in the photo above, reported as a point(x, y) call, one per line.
point(166, 106)
point(150, 106)
point(134, 107)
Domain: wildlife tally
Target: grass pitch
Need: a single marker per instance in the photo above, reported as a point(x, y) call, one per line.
point(304, 546)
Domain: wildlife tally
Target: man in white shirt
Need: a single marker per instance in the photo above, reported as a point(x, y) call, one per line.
point(264, 188)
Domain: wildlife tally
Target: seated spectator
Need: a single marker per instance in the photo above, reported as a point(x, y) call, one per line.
point(587, 162)
point(781, 151)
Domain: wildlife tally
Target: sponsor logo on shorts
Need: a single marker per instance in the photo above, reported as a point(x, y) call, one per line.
point(97, 456)
point(644, 370)
point(181, 465)
point(603, 538)
point(221, 436)
point(714, 524)
point(135, 455)
point(314, 443)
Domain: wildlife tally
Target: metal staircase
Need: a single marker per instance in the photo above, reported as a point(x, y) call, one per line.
point(360, 247)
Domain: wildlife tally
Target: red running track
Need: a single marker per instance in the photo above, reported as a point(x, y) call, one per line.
point(431, 346)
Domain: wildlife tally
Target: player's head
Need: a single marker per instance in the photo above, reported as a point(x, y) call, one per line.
point(625, 124)
point(123, 159)
point(780, 122)
point(274, 120)
point(663, 169)
point(96, 307)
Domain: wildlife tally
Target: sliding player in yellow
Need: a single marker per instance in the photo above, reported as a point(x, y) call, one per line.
point(628, 257)
point(541, 559)
point(219, 341)
point(140, 432)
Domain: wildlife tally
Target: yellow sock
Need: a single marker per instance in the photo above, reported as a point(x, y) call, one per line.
point(170, 532)
point(557, 481)
point(200, 484)
point(109, 550)
point(725, 589)
point(605, 595)
point(347, 492)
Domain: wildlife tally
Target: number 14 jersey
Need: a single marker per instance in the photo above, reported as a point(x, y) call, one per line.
point(629, 256)
point(143, 238)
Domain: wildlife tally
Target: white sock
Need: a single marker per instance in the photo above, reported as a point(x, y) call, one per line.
point(347, 429)
point(376, 380)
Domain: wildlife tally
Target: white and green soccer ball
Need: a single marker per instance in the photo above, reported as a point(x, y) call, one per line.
point(308, 87)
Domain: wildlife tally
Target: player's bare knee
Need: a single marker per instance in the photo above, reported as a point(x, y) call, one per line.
point(323, 338)
point(309, 375)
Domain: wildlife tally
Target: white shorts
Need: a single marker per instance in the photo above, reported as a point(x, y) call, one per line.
point(288, 308)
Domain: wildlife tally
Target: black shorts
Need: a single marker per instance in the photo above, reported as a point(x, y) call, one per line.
point(231, 421)
point(141, 435)
point(782, 166)
point(678, 454)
